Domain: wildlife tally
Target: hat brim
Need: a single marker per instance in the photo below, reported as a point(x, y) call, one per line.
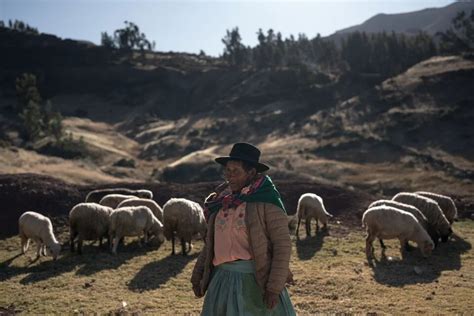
point(259, 166)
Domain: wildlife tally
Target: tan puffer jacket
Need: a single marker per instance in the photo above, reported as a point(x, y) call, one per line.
point(270, 245)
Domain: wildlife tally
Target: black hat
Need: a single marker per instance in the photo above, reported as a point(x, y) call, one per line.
point(244, 152)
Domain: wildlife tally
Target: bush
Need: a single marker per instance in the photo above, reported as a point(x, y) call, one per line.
point(126, 163)
point(67, 148)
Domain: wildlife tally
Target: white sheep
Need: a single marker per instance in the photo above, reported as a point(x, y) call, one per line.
point(386, 222)
point(134, 221)
point(96, 195)
point(445, 203)
point(410, 209)
point(113, 200)
point(432, 212)
point(186, 219)
point(152, 205)
point(88, 221)
point(32, 225)
point(311, 206)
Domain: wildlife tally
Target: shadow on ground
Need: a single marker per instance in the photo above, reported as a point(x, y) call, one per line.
point(306, 248)
point(92, 260)
point(157, 273)
point(415, 269)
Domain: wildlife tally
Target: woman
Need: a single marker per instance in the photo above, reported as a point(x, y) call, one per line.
point(245, 262)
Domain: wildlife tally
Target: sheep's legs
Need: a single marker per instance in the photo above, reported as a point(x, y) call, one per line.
point(188, 246)
point(39, 246)
point(317, 226)
point(183, 246)
point(172, 244)
point(298, 227)
point(308, 227)
point(115, 243)
point(369, 249)
point(71, 239)
point(403, 243)
point(25, 243)
point(79, 245)
point(382, 244)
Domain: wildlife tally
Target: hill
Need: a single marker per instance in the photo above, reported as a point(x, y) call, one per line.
point(431, 20)
point(163, 116)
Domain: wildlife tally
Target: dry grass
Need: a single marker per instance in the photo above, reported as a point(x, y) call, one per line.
point(330, 271)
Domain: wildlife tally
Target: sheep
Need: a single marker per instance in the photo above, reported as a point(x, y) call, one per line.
point(432, 212)
point(410, 209)
point(134, 221)
point(32, 225)
point(88, 221)
point(96, 195)
point(311, 206)
point(445, 203)
point(186, 218)
point(386, 222)
point(152, 205)
point(113, 200)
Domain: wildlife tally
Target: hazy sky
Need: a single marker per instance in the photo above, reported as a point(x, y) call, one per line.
point(192, 25)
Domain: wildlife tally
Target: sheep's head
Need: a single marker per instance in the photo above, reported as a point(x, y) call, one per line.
point(445, 234)
point(53, 250)
point(156, 233)
point(426, 248)
point(144, 194)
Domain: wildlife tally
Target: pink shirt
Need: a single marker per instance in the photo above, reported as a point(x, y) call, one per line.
point(231, 240)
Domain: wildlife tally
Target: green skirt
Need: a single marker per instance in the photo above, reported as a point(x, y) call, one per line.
point(234, 291)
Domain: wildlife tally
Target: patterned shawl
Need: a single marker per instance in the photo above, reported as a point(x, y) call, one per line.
point(261, 190)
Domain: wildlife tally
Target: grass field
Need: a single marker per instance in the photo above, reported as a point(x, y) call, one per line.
point(330, 270)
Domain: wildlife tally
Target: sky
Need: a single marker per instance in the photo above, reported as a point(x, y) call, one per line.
point(194, 25)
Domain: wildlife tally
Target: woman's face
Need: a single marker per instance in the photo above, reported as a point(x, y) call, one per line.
point(236, 175)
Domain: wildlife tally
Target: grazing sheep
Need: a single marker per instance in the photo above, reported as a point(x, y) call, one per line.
point(96, 195)
point(88, 221)
point(134, 221)
point(186, 218)
point(152, 205)
point(445, 203)
point(432, 212)
point(410, 209)
point(113, 200)
point(311, 206)
point(32, 225)
point(386, 222)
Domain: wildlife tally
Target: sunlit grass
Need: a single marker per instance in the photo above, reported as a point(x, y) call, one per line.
point(330, 270)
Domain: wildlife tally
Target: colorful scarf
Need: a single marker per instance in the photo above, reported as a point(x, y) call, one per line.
point(261, 190)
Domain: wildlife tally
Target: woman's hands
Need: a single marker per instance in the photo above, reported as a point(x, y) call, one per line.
point(197, 291)
point(270, 299)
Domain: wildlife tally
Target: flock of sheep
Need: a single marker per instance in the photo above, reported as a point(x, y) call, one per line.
point(114, 214)
point(421, 217)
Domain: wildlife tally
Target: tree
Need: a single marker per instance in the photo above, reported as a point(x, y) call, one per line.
point(26, 91)
point(107, 40)
point(53, 122)
point(127, 38)
point(32, 121)
point(21, 26)
point(37, 120)
point(460, 37)
point(130, 38)
point(234, 51)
